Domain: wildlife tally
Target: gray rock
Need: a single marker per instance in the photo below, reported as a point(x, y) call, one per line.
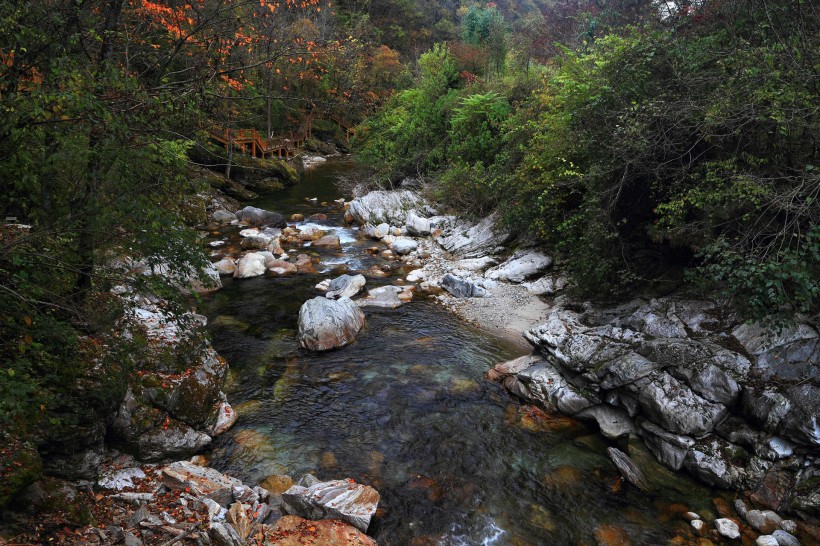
point(657, 319)
point(385, 297)
point(338, 499)
point(223, 216)
point(676, 407)
point(391, 207)
point(613, 422)
point(708, 461)
point(710, 381)
point(791, 354)
point(250, 265)
point(699, 527)
point(785, 539)
point(727, 528)
point(801, 424)
point(668, 448)
point(260, 217)
point(520, 267)
point(461, 288)
point(546, 385)
point(628, 469)
point(766, 540)
point(476, 264)
point(178, 440)
point(403, 245)
point(417, 225)
point(546, 286)
point(466, 240)
point(120, 479)
point(130, 540)
point(327, 324)
point(789, 526)
point(738, 431)
point(775, 448)
point(223, 534)
point(740, 508)
point(345, 286)
point(763, 521)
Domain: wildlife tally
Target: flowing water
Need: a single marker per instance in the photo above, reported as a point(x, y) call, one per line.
point(406, 409)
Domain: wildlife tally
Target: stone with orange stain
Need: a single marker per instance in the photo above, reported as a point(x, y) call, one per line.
point(277, 484)
point(336, 499)
point(722, 507)
point(296, 531)
point(611, 535)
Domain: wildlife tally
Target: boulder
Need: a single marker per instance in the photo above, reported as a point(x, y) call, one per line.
point(225, 266)
point(785, 539)
point(467, 240)
point(260, 217)
point(461, 288)
point(520, 267)
point(403, 245)
point(546, 286)
point(377, 207)
point(326, 324)
point(328, 241)
point(281, 267)
point(337, 499)
point(250, 265)
point(345, 286)
point(417, 225)
point(670, 449)
point(296, 531)
point(222, 216)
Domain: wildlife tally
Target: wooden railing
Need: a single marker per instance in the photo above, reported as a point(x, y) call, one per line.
point(249, 141)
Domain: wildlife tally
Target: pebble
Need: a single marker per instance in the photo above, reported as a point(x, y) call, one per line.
point(766, 540)
point(691, 516)
point(699, 526)
point(740, 508)
point(727, 528)
point(789, 526)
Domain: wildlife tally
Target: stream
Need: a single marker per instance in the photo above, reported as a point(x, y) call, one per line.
point(407, 410)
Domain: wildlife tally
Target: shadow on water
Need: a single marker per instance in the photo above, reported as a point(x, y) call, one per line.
point(406, 409)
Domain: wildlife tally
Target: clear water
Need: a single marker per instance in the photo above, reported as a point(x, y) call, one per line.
point(407, 410)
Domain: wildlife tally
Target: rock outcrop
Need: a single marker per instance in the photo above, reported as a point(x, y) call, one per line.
point(691, 384)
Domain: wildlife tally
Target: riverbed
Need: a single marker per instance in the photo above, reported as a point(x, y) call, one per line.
point(406, 409)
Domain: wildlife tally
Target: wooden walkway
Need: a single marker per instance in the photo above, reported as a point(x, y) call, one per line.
point(249, 141)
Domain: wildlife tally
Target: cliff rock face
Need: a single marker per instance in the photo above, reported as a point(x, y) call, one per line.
point(734, 405)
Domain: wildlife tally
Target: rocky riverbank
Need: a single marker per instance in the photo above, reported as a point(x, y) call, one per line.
point(733, 404)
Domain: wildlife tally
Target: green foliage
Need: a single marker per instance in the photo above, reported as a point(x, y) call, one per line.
point(688, 142)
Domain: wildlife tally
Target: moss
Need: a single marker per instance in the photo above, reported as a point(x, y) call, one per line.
point(20, 466)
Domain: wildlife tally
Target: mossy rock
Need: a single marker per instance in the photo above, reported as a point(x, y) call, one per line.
point(20, 466)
